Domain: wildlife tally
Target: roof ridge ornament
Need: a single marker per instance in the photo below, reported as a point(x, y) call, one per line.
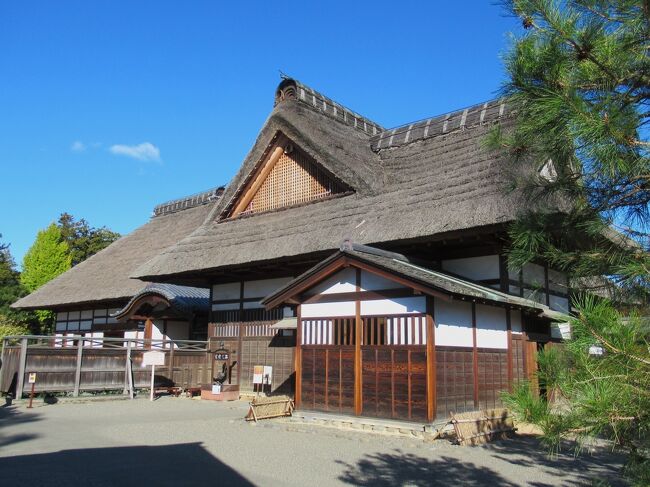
point(347, 245)
point(292, 89)
point(187, 202)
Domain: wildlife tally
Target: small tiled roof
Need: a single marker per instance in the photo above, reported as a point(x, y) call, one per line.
point(400, 265)
point(183, 299)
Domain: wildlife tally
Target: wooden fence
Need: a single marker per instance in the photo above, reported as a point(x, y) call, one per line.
point(74, 364)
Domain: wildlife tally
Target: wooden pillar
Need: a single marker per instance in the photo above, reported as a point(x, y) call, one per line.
point(240, 333)
point(77, 373)
point(509, 352)
point(21, 368)
point(298, 360)
point(431, 360)
point(148, 333)
point(358, 334)
point(474, 356)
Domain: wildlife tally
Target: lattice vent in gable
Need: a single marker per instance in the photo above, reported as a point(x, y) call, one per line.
point(293, 180)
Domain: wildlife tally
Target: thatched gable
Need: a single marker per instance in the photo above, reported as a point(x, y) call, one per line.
point(104, 277)
point(403, 189)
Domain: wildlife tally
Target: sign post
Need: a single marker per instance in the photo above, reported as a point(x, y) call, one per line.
point(153, 358)
point(32, 381)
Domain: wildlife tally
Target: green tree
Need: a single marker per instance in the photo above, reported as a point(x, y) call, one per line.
point(83, 239)
point(48, 257)
point(11, 290)
point(578, 84)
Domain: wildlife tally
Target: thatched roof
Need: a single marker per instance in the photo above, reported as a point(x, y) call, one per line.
point(432, 179)
point(104, 277)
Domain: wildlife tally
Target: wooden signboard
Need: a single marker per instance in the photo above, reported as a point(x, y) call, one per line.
point(153, 358)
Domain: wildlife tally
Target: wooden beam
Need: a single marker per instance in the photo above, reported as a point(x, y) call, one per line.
point(431, 360)
point(474, 356)
point(509, 354)
point(358, 335)
point(362, 295)
point(298, 362)
point(252, 188)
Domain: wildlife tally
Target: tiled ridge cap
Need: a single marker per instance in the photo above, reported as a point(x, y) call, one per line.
point(480, 114)
point(187, 202)
point(290, 88)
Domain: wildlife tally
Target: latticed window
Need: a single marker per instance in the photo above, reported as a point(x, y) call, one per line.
point(288, 178)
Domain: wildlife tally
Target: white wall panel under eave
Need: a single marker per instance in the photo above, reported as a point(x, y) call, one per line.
point(559, 304)
point(373, 282)
point(453, 323)
point(327, 310)
point(263, 287)
point(395, 306)
point(224, 306)
point(491, 327)
point(475, 268)
point(515, 321)
point(344, 281)
point(230, 290)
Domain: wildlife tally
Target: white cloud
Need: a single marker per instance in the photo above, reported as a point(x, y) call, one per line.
point(142, 152)
point(78, 146)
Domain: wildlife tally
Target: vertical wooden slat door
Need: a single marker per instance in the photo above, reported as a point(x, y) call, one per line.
point(393, 357)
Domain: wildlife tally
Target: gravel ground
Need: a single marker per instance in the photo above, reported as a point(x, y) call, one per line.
point(178, 441)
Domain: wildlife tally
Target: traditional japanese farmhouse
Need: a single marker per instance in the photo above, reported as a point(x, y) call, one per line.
point(98, 299)
point(365, 265)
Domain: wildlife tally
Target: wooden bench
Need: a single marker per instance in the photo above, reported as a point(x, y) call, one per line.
point(174, 391)
point(192, 391)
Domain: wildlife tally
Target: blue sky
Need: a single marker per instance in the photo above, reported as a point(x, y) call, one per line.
point(108, 108)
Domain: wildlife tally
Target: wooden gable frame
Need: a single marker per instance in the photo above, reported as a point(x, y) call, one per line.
point(285, 176)
point(294, 293)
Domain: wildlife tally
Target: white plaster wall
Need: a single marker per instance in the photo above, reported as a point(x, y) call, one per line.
point(224, 306)
point(557, 281)
point(178, 330)
point(491, 327)
point(373, 282)
point(251, 305)
point(263, 287)
point(476, 268)
point(415, 304)
point(559, 304)
point(229, 290)
point(533, 274)
point(515, 321)
point(327, 310)
point(343, 281)
point(453, 323)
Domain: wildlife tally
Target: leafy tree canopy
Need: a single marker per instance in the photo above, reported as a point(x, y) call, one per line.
point(579, 84)
point(48, 257)
point(84, 240)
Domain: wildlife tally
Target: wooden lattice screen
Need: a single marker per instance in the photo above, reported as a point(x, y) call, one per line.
point(294, 179)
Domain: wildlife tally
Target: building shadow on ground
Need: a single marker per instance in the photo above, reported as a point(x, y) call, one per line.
point(10, 414)
point(165, 465)
point(406, 469)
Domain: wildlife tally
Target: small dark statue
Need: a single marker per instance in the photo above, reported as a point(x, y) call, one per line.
point(222, 375)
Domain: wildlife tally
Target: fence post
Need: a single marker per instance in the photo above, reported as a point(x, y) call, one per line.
point(77, 374)
point(171, 362)
point(21, 368)
point(128, 372)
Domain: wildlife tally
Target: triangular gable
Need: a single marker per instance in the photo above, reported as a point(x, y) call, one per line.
point(286, 176)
